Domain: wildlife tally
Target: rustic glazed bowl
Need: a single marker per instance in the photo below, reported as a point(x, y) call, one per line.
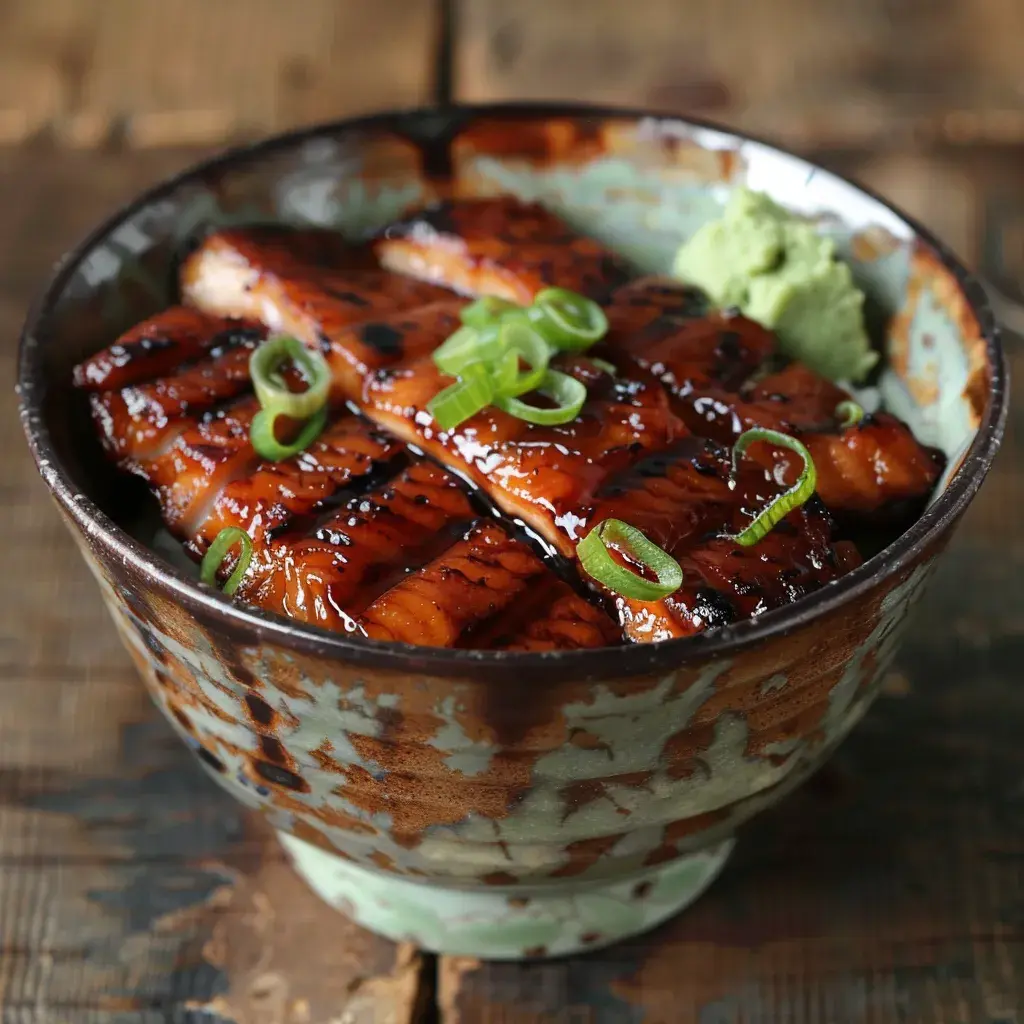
point(510, 805)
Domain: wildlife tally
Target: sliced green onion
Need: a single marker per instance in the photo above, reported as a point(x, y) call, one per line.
point(218, 551)
point(264, 369)
point(469, 345)
point(566, 391)
point(567, 320)
point(499, 347)
point(598, 562)
point(504, 372)
point(603, 364)
point(496, 337)
point(520, 338)
point(261, 434)
point(784, 503)
point(485, 310)
point(849, 414)
point(463, 399)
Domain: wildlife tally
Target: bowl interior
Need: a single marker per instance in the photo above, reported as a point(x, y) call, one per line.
point(640, 184)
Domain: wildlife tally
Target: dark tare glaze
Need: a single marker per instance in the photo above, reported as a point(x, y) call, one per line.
point(361, 533)
point(310, 284)
point(861, 469)
point(498, 247)
point(682, 500)
point(544, 475)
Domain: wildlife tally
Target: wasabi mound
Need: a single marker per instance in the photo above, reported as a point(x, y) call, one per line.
point(780, 272)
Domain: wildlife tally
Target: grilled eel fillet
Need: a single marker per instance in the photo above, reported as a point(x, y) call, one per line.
point(377, 331)
point(357, 534)
point(663, 327)
point(499, 246)
point(352, 533)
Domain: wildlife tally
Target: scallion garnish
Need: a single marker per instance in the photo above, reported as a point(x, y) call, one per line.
point(264, 439)
point(472, 392)
point(308, 407)
point(469, 345)
point(784, 503)
point(597, 561)
point(566, 392)
point(849, 414)
point(497, 347)
point(603, 364)
point(567, 320)
point(218, 551)
point(497, 336)
point(264, 369)
point(485, 310)
point(504, 372)
point(528, 345)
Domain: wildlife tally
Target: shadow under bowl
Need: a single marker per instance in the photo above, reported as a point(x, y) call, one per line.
point(507, 805)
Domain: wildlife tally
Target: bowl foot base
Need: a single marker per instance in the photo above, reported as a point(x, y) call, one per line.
point(507, 924)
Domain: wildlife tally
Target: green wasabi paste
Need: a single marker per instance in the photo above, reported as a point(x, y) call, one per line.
point(780, 272)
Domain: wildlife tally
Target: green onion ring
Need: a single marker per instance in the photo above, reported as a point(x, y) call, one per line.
point(597, 561)
point(603, 364)
point(218, 551)
point(520, 337)
point(784, 503)
point(504, 372)
point(463, 399)
point(469, 345)
point(261, 434)
point(567, 320)
point(498, 346)
point(849, 414)
point(274, 396)
point(568, 392)
point(485, 310)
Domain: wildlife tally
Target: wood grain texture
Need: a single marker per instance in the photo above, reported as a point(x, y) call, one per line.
point(840, 72)
point(131, 889)
point(205, 71)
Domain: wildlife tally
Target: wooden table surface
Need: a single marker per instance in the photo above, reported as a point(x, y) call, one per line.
point(131, 889)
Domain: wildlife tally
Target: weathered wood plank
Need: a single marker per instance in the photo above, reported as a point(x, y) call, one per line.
point(204, 71)
point(51, 625)
point(131, 889)
point(846, 72)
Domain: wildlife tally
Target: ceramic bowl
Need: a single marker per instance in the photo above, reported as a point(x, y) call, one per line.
point(510, 805)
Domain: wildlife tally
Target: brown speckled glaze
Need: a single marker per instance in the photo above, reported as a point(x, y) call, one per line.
point(511, 805)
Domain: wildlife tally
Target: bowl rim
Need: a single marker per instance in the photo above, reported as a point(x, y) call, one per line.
point(629, 660)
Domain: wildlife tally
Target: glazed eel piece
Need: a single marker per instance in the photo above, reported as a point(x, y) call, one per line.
point(383, 363)
point(554, 479)
point(870, 468)
point(308, 283)
point(186, 433)
point(499, 246)
point(351, 534)
point(411, 560)
point(682, 500)
point(705, 358)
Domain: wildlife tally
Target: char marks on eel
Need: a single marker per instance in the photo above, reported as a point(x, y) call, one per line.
point(389, 527)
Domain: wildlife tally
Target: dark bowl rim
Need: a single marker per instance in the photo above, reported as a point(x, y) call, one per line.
point(596, 664)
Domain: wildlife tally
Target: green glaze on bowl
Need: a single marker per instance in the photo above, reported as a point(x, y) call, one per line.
point(494, 804)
